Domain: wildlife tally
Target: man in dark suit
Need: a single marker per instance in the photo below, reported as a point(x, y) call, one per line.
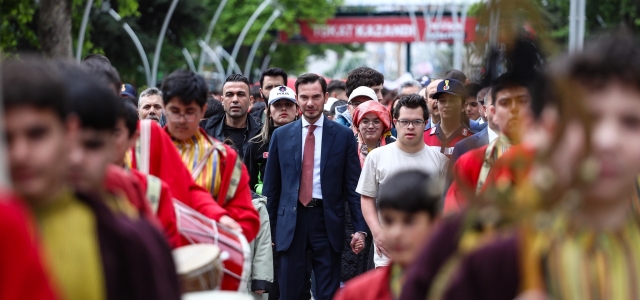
point(311, 173)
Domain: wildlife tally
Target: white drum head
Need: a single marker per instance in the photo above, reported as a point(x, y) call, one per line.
point(218, 295)
point(193, 257)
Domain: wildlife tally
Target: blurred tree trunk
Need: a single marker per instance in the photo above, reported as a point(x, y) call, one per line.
point(54, 28)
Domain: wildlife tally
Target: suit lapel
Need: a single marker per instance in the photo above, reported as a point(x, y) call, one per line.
point(296, 137)
point(484, 138)
point(328, 134)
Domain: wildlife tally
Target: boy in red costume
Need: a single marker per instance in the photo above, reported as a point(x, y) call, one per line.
point(212, 164)
point(408, 204)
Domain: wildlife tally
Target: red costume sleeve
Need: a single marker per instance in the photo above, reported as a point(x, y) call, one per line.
point(22, 275)
point(119, 182)
point(370, 285)
point(166, 164)
point(513, 167)
point(240, 206)
point(466, 171)
point(165, 214)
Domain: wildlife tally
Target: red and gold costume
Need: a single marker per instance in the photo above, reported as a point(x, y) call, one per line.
point(471, 172)
point(164, 162)
point(218, 168)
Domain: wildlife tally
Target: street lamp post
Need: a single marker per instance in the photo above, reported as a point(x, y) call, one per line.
point(256, 43)
point(243, 33)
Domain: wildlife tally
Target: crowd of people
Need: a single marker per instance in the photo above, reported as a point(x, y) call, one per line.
point(524, 186)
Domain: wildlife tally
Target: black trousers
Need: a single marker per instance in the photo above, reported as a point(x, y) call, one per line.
point(310, 237)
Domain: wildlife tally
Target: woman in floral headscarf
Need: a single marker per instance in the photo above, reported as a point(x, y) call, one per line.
point(372, 127)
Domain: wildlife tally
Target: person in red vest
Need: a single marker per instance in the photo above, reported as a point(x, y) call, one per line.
point(453, 126)
point(408, 205)
point(509, 105)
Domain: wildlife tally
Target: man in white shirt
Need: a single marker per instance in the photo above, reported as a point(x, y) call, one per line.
point(311, 174)
point(408, 153)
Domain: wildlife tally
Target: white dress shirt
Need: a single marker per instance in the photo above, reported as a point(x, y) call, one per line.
point(317, 190)
point(492, 134)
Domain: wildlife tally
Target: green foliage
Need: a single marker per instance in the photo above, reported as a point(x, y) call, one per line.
point(600, 15)
point(16, 21)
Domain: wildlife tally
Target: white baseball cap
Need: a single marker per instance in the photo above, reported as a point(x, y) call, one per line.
point(282, 92)
point(363, 91)
point(330, 101)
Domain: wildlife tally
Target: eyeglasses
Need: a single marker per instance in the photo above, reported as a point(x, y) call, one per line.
point(415, 123)
point(376, 123)
point(175, 117)
point(354, 104)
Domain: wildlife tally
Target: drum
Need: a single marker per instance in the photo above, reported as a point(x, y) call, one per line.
point(218, 295)
point(198, 267)
point(235, 253)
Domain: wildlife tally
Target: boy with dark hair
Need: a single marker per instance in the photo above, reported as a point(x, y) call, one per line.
point(408, 205)
point(81, 236)
point(135, 184)
point(235, 124)
point(100, 66)
point(221, 170)
point(337, 89)
point(362, 76)
point(271, 78)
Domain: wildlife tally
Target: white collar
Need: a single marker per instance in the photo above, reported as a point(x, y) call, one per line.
point(318, 123)
point(492, 134)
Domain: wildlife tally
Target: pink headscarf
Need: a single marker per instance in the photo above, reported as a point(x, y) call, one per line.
point(358, 114)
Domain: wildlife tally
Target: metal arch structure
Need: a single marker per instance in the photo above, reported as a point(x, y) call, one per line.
point(247, 67)
point(136, 41)
point(243, 33)
point(163, 30)
point(214, 57)
point(83, 29)
point(189, 59)
point(207, 37)
point(267, 58)
point(232, 62)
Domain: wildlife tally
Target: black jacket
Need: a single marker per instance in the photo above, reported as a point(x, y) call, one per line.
point(215, 124)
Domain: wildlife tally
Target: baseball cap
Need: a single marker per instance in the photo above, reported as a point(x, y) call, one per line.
point(450, 86)
point(128, 90)
point(363, 91)
point(330, 101)
point(282, 92)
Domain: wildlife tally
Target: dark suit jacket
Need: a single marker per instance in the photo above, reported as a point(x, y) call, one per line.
point(339, 177)
point(475, 141)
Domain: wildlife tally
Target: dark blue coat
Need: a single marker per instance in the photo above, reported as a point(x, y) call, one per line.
point(340, 171)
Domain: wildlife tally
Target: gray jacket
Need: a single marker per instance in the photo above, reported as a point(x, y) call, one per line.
point(262, 265)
